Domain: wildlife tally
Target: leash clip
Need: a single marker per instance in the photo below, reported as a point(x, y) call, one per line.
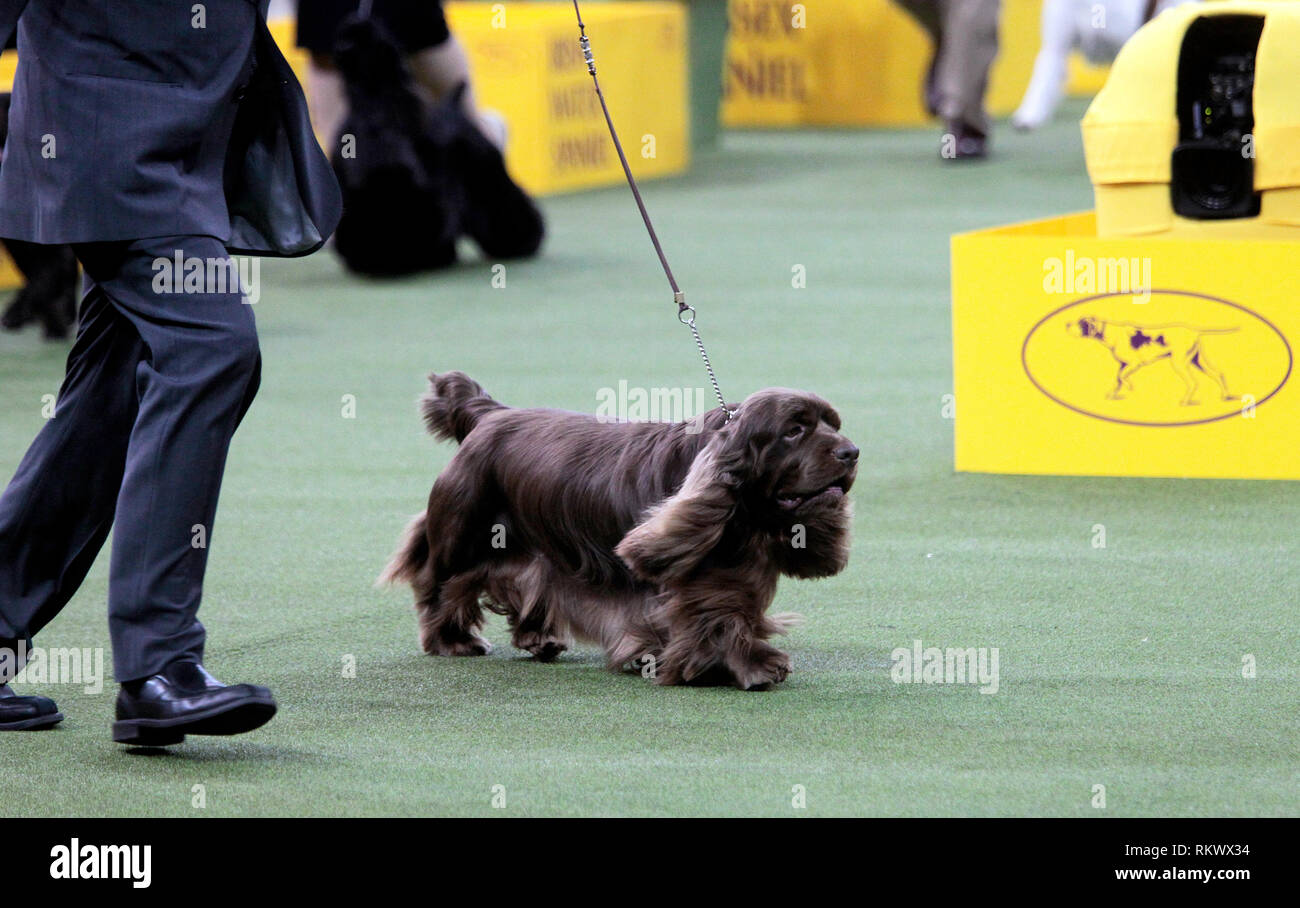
point(679, 297)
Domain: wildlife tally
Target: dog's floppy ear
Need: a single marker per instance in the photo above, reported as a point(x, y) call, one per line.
point(675, 535)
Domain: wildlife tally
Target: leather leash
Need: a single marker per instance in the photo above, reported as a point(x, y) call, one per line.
point(685, 312)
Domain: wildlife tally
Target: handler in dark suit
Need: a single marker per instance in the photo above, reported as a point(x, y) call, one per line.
point(142, 131)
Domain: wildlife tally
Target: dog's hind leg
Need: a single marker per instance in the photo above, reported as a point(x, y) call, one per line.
point(447, 611)
point(461, 522)
point(450, 616)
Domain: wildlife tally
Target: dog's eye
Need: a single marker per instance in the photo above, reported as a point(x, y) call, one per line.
point(794, 432)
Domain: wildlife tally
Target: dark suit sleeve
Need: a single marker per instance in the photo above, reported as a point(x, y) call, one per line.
point(10, 10)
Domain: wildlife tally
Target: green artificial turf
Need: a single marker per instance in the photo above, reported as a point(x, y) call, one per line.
point(1119, 666)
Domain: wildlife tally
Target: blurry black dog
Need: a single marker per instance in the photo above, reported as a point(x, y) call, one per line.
point(50, 293)
point(415, 178)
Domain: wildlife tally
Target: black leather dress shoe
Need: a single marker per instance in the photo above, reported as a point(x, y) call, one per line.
point(26, 713)
point(183, 699)
point(969, 144)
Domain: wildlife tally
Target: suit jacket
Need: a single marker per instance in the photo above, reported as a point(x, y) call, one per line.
point(144, 118)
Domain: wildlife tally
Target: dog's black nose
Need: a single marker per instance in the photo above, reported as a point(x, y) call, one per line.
point(848, 453)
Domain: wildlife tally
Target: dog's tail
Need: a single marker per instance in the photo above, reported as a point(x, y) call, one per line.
point(454, 405)
point(411, 556)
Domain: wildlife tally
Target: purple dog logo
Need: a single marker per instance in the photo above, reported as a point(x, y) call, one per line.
point(1135, 346)
point(1175, 358)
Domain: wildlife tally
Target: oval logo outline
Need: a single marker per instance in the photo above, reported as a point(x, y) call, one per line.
point(1024, 362)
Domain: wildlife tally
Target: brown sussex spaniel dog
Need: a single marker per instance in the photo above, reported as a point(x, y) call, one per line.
point(662, 542)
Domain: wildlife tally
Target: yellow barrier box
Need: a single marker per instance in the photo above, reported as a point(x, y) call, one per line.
point(1158, 356)
point(860, 63)
point(527, 65)
point(10, 277)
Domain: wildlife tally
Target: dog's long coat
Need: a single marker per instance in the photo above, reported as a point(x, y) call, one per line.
point(663, 542)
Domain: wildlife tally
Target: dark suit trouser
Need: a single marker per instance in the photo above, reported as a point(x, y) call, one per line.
point(969, 47)
point(156, 385)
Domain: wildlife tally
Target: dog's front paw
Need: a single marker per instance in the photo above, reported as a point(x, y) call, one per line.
point(766, 668)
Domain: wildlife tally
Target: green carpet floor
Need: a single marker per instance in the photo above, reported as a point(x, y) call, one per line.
point(1119, 667)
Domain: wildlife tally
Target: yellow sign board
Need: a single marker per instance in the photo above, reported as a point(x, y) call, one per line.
point(1080, 355)
point(860, 63)
point(527, 66)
